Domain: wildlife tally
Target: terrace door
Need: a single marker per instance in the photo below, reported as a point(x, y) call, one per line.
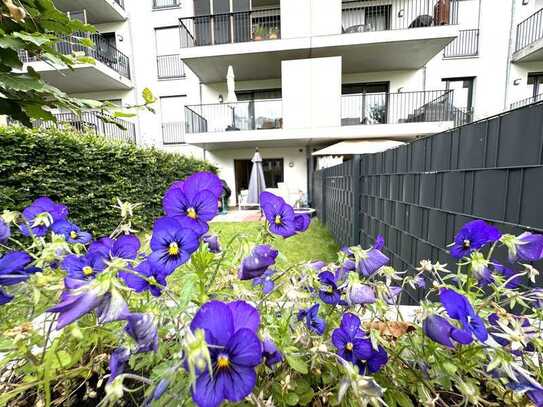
point(368, 105)
point(462, 104)
point(202, 22)
point(273, 173)
point(535, 80)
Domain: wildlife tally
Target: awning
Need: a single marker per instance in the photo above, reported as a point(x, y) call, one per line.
point(359, 147)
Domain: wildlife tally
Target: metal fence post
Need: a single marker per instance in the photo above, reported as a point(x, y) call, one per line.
point(323, 193)
point(355, 188)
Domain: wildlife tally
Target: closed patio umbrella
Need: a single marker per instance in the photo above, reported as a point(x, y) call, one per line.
point(257, 183)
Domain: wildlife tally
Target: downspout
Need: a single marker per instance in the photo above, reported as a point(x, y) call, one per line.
point(509, 55)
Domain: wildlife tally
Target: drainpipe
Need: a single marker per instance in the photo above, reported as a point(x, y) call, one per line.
point(509, 55)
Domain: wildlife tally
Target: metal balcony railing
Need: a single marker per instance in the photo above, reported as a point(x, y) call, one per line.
point(170, 67)
point(373, 15)
point(102, 52)
point(112, 129)
point(247, 115)
point(393, 108)
point(173, 133)
point(160, 4)
point(527, 101)
point(530, 30)
point(245, 26)
point(465, 45)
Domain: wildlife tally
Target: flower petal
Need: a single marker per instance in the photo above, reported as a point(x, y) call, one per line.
point(244, 315)
point(244, 348)
point(214, 318)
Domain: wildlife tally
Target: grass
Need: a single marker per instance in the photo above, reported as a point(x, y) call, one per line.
point(315, 244)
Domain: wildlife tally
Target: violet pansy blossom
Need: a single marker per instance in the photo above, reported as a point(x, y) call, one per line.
point(459, 308)
point(124, 247)
point(440, 330)
point(358, 294)
point(41, 214)
point(195, 200)
point(302, 222)
point(329, 292)
point(171, 244)
point(83, 267)
point(513, 279)
point(266, 281)
point(256, 264)
point(118, 362)
point(279, 214)
point(14, 268)
point(271, 353)
point(71, 232)
point(212, 242)
point(5, 232)
point(142, 329)
point(231, 330)
point(312, 320)
point(370, 261)
point(473, 236)
point(153, 282)
point(526, 247)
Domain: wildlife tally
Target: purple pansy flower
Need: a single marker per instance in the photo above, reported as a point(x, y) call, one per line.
point(351, 342)
point(302, 222)
point(195, 200)
point(370, 261)
point(5, 232)
point(279, 214)
point(329, 292)
point(271, 354)
point(71, 232)
point(379, 242)
point(118, 362)
point(41, 214)
point(256, 264)
point(142, 329)
point(155, 278)
point(529, 386)
point(443, 332)
point(459, 308)
point(390, 296)
point(360, 294)
point(312, 320)
point(509, 274)
point(231, 330)
point(420, 282)
point(124, 247)
point(83, 267)
point(172, 244)
point(14, 268)
point(213, 243)
point(265, 280)
point(529, 247)
point(480, 269)
point(317, 265)
point(113, 307)
point(472, 236)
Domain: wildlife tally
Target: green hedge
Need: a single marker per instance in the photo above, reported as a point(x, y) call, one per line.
point(87, 173)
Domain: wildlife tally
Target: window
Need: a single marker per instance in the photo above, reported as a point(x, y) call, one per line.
point(172, 112)
point(263, 110)
point(463, 91)
point(364, 103)
point(273, 173)
point(168, 43)
point(536, 81)
point(159, 4)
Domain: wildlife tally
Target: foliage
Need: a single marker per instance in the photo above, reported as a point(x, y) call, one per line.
point(325, 334)
point(86, 172)
point(34, 28)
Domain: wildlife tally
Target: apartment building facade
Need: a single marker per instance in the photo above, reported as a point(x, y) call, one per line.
point(309, 74)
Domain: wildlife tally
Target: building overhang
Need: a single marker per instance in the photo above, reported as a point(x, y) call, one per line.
point(368, 51)
point(313, 136)
point(98, 11)
point(530, 53)
point(83, 78)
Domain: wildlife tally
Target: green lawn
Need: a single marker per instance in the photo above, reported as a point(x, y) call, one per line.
point(315, 244)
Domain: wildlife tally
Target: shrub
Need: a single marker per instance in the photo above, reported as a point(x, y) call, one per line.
point(87, 173)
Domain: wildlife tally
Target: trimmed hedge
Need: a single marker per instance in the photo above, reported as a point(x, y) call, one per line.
point(87, 173)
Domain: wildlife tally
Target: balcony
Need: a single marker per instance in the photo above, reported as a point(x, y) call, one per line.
point(173, 133)
point(369, 37)
point(527, 101)
point(376, 115)
point(170, 67)
point(97, 11)
point(110, 72)
point(109, 127)
point(165, 4)
point(464, 46)
point(529, 43)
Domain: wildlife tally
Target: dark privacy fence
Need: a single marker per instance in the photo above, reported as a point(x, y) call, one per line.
point(418, 195)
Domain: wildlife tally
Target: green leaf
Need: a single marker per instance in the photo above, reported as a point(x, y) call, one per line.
point(148, 96)
point(10, 58)
point(297, 364)
point(38, 39)
point(292, 399)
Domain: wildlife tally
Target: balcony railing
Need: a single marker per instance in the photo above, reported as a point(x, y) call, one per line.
point(373, 15)
point(173, 133)
point(112, 129)
point(530, 30)
point(160, 4)
point(228, 28)
point(527, 101)
point(247, 115)
point(393, 108)
point(120, 3)
point(102, 52)
point(170, 67)
point(465, 45)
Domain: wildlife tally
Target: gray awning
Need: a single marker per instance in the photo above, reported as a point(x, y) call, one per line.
point(359, 147)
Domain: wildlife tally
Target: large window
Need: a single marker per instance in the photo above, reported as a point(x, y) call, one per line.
point(173, 125)
point(463, 91)
point(535, 80)
point(273, 173)
point(168, 43)
point(364, 103)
